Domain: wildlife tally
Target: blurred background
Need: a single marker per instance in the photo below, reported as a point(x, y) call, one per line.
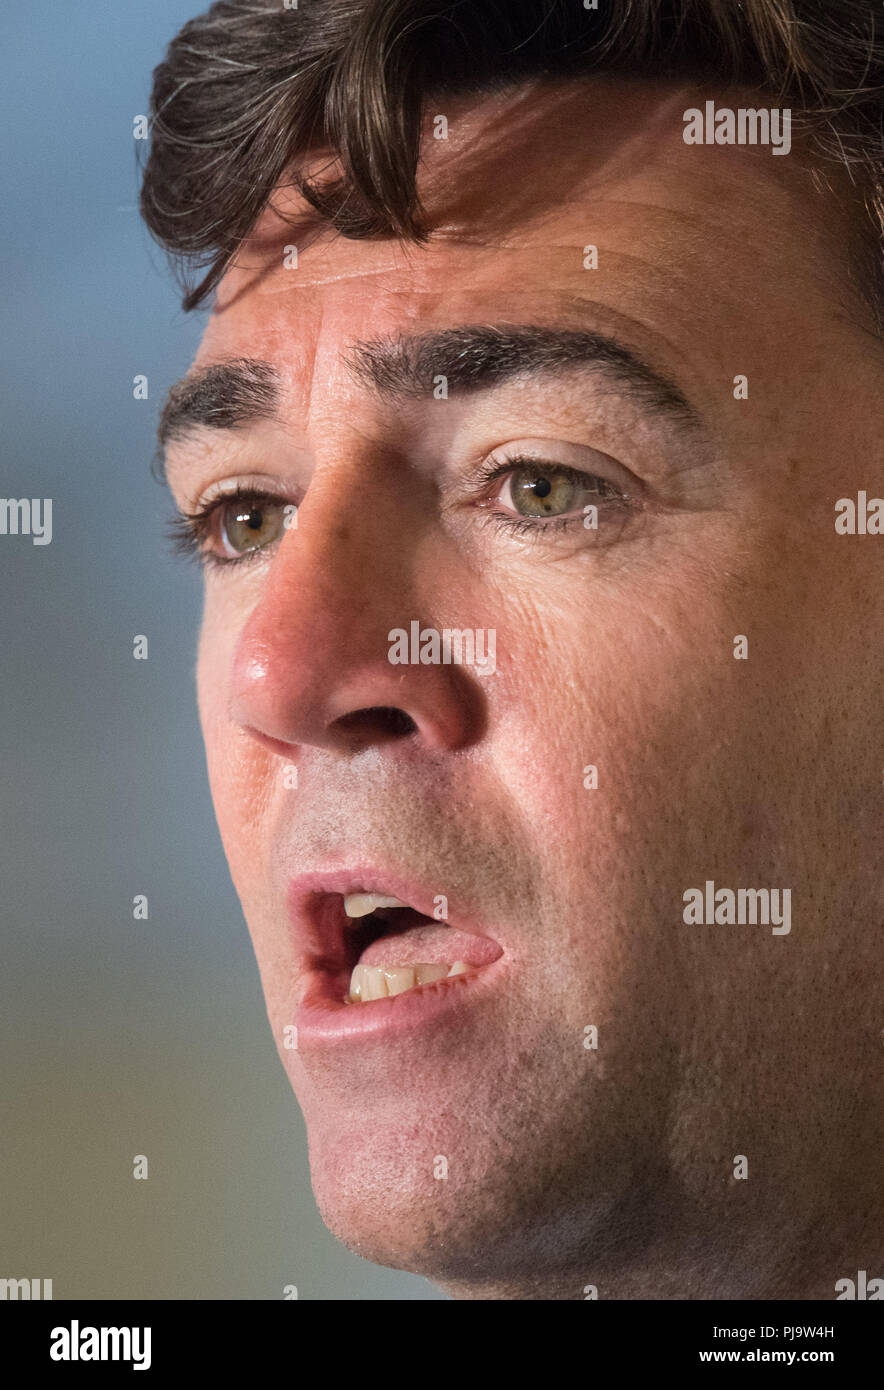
point(119, 1037)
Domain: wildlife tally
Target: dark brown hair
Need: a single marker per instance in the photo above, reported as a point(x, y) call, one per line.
point(248, 89)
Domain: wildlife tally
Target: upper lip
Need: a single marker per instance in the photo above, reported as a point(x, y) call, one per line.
point(316, 908)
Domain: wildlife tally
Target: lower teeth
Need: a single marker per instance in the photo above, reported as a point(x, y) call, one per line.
point(379, 982)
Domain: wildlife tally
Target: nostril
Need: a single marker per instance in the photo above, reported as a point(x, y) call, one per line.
point(385, 720)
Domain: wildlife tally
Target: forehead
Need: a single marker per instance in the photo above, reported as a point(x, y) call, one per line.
point(524, 184)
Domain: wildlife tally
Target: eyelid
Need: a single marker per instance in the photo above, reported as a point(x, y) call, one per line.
point(573, 459)
point(501, 473)
point(258, 484)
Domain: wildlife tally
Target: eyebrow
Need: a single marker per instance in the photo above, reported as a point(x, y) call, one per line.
point(228, 395)
point(477, 358)
point(221, 396)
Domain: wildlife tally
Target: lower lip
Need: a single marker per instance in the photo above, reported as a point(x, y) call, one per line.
point(323, 1017)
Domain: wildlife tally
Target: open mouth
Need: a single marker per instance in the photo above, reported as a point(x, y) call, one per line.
point(385, 920)
point(376, 946)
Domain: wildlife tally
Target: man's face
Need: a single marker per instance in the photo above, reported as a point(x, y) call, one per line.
point(480, 1131)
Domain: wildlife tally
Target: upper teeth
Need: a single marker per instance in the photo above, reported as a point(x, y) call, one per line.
point(361, 904)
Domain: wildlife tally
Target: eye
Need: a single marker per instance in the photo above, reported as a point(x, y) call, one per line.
point(233, 527)
point(539, 491)
point(248, 524)
point(531, 491)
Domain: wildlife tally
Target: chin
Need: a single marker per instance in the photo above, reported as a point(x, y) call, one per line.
point(387, 1209)
point(484, 1224)
point(399, 1229)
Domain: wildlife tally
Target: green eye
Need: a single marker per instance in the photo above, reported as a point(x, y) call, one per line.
point(251, 525)
point(535, 491)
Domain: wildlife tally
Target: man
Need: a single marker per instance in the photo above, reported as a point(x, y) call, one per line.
point(540, 670)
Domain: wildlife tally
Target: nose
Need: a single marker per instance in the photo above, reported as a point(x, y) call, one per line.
point(312, 667)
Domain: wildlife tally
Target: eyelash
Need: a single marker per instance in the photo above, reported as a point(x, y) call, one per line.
point(189, 531)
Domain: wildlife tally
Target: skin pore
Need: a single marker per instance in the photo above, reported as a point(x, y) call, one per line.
point(571, 1166)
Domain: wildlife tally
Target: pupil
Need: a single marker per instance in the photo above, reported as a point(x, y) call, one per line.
point(253, 519)
point(542, 487)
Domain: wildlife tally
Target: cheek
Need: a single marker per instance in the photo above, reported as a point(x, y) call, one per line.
point(620, 715)
point(240, 771)
point(573, 709)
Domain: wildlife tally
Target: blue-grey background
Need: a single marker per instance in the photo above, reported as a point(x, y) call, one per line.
point(118, 1037)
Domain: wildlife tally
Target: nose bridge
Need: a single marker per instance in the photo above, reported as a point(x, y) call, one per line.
point(324, 584)
point(312, 663)
point(337, 566)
